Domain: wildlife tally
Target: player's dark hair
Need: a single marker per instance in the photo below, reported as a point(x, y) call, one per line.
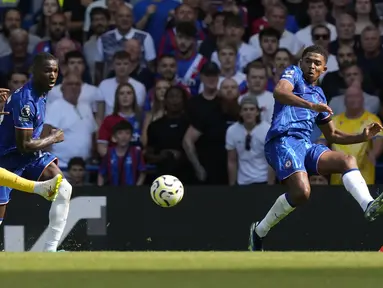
point(74, 54)
point(320, 26)
point(76, 161)
point(187, 29)
point(40, 59)
point(317, 50)
point(232, 20)
point(135, 107)
point(121, 126)
point(269, 32)
point(121, 55)
point(99, 11)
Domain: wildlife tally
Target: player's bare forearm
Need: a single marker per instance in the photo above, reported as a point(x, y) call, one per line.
point(25, 143)
point(283, 94)
point(339, 137)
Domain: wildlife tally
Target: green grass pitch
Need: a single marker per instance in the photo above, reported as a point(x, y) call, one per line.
point(192, 270)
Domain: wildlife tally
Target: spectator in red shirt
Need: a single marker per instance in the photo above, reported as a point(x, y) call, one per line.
point(156, 109)
point(125, 108)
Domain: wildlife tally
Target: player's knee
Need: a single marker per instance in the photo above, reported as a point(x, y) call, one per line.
point(65, 190)
point(349, 162)
point(301, 194)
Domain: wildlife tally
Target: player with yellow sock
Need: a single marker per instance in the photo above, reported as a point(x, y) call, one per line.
point(47, 189)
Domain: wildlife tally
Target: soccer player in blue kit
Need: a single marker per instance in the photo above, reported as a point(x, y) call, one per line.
point(288, 149)
point(22, 143)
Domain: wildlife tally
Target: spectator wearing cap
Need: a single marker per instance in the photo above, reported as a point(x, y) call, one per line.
point(208, 124)
point(234, 32)
point(245, 141)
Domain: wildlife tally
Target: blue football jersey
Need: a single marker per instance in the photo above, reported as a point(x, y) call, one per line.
point(296, 121)
point(26, 111)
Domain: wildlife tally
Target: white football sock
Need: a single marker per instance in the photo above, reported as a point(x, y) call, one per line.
point(280, 210)
point(354, 183)
point(57, 216)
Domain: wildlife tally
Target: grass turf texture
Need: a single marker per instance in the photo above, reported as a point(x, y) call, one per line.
point(191, 269)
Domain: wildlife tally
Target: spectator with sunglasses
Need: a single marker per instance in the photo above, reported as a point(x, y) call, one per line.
point(245, 139)
point(321, 36)
point(317, 11)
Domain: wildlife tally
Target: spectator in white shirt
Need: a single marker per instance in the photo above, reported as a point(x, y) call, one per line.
point(107, 88)
point(256, 81)
point(227, 56)
point(234, 32)
point(317, 11)
point(269, 41)
point(112, 6)
point(75, 119)
point(245, 141)
point(277, 15)
point(321, 36)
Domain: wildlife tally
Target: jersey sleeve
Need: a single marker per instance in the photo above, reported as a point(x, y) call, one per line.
point(24, 112)
point(291, 74)
point(230, 142)
point(323, 118)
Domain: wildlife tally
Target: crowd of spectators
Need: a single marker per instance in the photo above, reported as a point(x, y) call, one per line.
point(152, 87)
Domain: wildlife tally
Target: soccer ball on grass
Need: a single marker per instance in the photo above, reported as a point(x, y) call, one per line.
point(167, 191)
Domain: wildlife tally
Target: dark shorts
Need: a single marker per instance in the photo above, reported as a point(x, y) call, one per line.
point(288, 155)
point(29, 166)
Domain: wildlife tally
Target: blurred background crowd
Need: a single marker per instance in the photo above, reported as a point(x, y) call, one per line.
point(152, 87)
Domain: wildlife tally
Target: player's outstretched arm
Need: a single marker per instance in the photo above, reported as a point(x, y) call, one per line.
point(26, 143)
point(283, 93)
point(334, 136)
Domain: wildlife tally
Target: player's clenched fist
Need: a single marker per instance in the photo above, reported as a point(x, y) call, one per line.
point(321, 107)
point(58, 135)
point(4, 94)
point(371, 130)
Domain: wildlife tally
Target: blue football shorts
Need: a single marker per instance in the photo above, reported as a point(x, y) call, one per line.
point(288, 155)
point(30, 166)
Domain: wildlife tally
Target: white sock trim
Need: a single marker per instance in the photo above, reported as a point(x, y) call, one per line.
point(355, 184)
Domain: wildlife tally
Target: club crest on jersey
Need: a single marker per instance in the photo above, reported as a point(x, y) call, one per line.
point(288, 164)
point(25, 112)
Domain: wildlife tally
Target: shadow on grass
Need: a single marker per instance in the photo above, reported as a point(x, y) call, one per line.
point(350, 278)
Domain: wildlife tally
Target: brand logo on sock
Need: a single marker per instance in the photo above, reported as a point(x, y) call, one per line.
point(288, 164)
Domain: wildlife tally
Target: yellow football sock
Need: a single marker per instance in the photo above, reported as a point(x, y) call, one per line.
point(13, 181)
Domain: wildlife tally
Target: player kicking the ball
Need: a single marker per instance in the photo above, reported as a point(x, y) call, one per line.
point(48, 189)
point(288, 149)
point(22, 142)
